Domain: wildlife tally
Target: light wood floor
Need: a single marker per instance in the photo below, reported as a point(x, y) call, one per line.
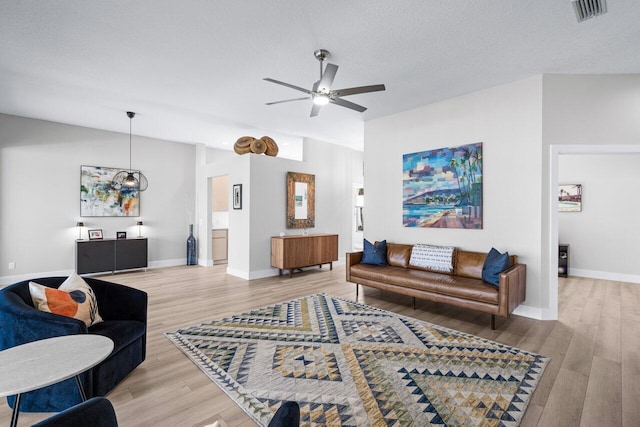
point(593, 378)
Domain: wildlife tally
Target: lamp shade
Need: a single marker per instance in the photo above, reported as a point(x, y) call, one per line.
point(79, 224)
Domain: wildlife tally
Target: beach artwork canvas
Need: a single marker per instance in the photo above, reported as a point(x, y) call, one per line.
point(98, 198)
point(570, 198)
point(442, 188)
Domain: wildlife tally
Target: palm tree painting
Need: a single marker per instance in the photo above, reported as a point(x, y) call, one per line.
point(442, 188)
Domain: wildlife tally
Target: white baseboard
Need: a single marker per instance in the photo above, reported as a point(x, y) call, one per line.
point(205, 262)
point(168, 263)
point(8, 280)
point(605, 275)
point(238, 273)
point(261, 274)
point(528, 311)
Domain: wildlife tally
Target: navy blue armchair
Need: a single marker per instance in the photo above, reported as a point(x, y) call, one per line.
point(124, 311)
point(95, 412)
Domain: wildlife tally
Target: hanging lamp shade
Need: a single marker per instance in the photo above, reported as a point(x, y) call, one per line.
point(129, 179)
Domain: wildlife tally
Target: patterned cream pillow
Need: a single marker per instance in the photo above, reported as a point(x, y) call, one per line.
point(433, 258)
point(74, 298)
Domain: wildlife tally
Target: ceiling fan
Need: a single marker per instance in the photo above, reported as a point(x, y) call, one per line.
point(321, 92)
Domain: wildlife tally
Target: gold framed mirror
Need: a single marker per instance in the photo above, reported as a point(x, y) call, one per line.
point(301, 194)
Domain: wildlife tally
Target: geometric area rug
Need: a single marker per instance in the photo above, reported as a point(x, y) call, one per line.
point(349, 364)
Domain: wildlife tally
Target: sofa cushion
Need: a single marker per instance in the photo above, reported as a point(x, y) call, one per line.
point(74, 298)
point(375, 254)
point(469, 264)
point(494, 264)
point(460, 287)
point(432, 258)
point(398, 255)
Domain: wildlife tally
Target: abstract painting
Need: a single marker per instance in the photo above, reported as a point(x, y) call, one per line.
point(570, 198)
point(99, 198)
point(442, 188)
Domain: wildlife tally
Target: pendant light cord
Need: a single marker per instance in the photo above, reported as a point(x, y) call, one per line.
point(130, 119)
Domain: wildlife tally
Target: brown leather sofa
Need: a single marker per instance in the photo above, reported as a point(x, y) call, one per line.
point(463, 288)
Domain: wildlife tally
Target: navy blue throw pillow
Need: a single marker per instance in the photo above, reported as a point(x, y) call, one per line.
point(374, 254)
point(494, 264)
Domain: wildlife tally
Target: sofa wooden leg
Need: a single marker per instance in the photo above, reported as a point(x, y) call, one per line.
point(493, 322)
point(414, 303)
point(357, 291)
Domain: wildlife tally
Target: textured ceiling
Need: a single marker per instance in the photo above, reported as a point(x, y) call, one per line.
point(193, 70)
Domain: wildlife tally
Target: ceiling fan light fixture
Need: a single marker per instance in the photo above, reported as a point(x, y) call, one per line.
point(321, 99)
point(321, 92)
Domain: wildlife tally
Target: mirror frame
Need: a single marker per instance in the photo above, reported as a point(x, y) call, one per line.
point(310, 180)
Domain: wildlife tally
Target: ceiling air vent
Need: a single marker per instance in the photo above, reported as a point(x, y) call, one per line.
point(586, 9)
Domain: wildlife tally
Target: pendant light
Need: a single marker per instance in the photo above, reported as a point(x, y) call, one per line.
point(130, 179)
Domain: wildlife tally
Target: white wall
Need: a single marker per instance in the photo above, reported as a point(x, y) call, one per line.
point(40, 193)
point(598, 112)
point(263, 213)
point(507, 119)
point(238, 168)
point(524, 125)
point(603, 237)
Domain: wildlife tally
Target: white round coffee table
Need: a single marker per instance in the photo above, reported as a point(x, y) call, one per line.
point(41, 363)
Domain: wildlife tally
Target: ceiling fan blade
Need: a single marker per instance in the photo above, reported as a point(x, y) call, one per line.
point(287, 100)
point(360, 89)
point(315, 109)
point(347, 104)
point(327, 78)
point(278, 82)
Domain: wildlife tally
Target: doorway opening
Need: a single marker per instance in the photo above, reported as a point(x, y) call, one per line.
point(220, 219)
point(551, 311)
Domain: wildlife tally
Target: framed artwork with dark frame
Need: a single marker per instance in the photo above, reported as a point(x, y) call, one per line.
point(95, 234)
point(121, 234)
point(237, 196)
point(301, 205)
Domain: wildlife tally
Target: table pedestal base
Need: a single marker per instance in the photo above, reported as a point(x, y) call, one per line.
point(16, 406)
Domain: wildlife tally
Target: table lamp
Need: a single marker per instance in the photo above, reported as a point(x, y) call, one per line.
point(79, 224)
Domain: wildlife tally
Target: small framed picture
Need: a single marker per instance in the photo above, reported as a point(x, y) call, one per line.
point(570, 198)
point(95, 234)
point(121, 234)
point(237, 196)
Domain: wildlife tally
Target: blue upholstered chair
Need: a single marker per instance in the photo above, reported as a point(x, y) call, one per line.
point(95, 412)
point(287, 415)
point(124, 311)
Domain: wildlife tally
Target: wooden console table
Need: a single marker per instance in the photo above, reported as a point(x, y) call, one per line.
point(295, 252)
point(96, 256)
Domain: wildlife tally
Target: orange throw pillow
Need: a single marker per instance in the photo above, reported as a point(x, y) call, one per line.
point(74, 298)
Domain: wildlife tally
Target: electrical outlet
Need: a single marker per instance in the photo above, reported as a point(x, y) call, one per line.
point(12, 265)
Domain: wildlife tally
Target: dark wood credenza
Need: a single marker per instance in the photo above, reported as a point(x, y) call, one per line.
point(96, 256)
point(295, 252)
